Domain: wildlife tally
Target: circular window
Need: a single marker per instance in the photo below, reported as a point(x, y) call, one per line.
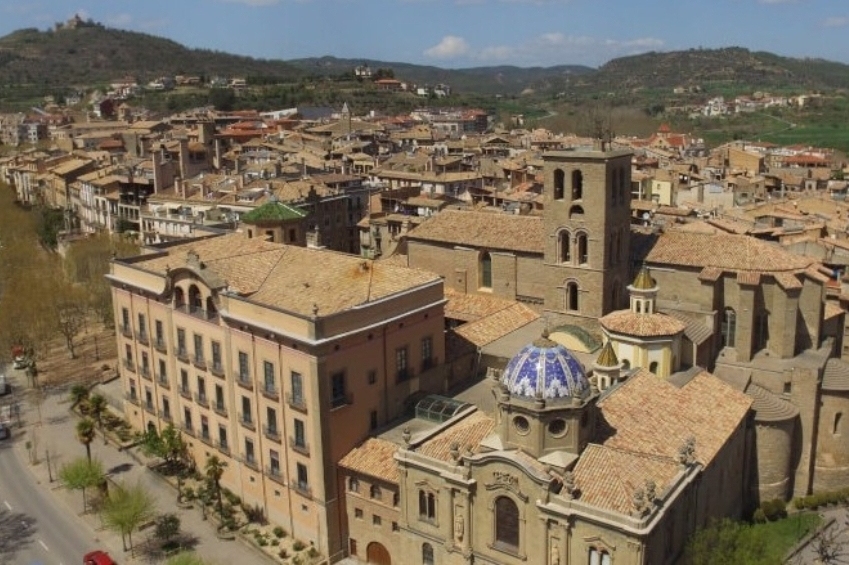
point(521, 424)
point(557, 427)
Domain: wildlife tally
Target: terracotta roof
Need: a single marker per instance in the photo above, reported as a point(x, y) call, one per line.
point(751, 278)
point(832, 310)
point(295, 279)
point(608, 477)
point(787, 281)
point(706, 408)
point(467, 433)
point(375, 457)
point(724, 251)
point(485, 330)
point(695, 329)
point(710, 274)
point(483, 230)
point(630, 323)
point(471, 307)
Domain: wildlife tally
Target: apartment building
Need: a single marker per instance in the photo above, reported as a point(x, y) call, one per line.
point(278, 359)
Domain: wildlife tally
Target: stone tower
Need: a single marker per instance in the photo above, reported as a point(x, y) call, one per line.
point(587, 218)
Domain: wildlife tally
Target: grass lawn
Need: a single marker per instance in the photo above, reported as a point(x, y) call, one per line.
point(779, 536)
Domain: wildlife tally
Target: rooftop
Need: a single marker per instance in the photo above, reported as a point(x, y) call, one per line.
point(483, 230)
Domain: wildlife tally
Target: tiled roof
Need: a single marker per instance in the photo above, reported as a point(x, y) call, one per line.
point(295, 279)
point(787, 281)
point(706, 409)
point(467, 433)
point(836, 375)
point(485, 330)
point(768, 407)
point(695, 329)
point(470, 307)
point(483, 230)
point(608, 477)
point(375, 457)
point(273, 211)
point(641, 325)
point(832, 310)
point(724, 251)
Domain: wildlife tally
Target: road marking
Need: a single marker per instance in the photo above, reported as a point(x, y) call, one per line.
point(8, 506)
point(43, 545)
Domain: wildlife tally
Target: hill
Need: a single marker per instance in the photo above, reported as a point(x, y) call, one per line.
point(95, 54)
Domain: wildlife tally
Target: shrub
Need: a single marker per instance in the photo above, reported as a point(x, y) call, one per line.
point(262, 541)
point(313, 552)
point(774, 509)
point(759, 517)
point(298, 545)
point(279, 532)
point(188, 494)
point(283, 554)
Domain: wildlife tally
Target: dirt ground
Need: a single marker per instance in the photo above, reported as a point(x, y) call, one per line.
point(96, 358)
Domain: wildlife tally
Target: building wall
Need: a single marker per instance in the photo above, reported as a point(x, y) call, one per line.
point(774, 448)
point(362, 508)
point(831, 471)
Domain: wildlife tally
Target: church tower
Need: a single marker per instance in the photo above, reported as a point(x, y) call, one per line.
point(587, 219)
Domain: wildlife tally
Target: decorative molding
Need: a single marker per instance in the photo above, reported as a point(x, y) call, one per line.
point(508, 482)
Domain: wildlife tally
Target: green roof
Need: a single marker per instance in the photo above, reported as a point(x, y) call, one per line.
point(274, 212)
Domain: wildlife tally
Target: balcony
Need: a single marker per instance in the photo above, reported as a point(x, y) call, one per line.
point(272, 433)
point(199, 362)
point(188, 429)
point(150, 408)
point(132, 397)
point(185, 392)
point(144, 370)
point(301, 447)
point(166, 415)
point(201, 399)
point(220, 409)
point(270, 392)
point(250, 460)
point(246, 421)
point(296, 402)
point(183, 354)
point(274, 473)
point(160, 345)
point(127, 331)
point(245, 382)
point(342, 400)
point(223, 447)
point(129, 365)
point(204, 437)
point(302, 488)
point(217, 368)
point(198, 312)
point(162, 379)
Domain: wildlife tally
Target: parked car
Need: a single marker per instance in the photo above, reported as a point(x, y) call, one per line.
point(97, 558)
point(4, 385)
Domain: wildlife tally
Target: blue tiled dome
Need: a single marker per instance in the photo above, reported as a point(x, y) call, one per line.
point(545, 369)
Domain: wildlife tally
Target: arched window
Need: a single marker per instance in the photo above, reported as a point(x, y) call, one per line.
point(729, 327)
point(576, 211)
point(583, 251)
point(837, 420)
point(374, 491)
point(559, 184)
point(572, 296)
point(626, 365)
point(179, 297)
point(599, 557)
point(485, 270)
point(427, 506)
point(427, 554)
point(564, 246)
point(195, 299)
point(577, 184)
point(506, 524)
point(653, 367)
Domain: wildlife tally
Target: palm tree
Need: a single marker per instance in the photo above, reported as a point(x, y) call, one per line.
point(78, 394)
point(85, 433)
point(214, 471)
point(96, 409)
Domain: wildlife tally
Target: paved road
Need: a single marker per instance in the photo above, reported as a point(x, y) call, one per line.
point(33, 530)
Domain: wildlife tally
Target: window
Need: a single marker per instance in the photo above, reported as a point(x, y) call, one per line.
point(485, 270)
point(128, 353)
point(198, 339)
point(337, 390)
point(395, 527)
point(427, 353)
point(273, 463)
point(427, 554)
point(583, 249)
point(599, 557)
point(216, 355)
point(187, 418)
point(166, 408)
point(372, 377)
point(181, 341)
point(374, 492)
point(179, 297)
point(653, 367)
point(576, 211)
point(577, 184)
point(204, 427)
point(163, 373)
point(184, 381)
point(303, 477)
point(268, 373)
point(244, 372)
point(837, 421)
point(354, 485)
point(373, 420)
point(507, 524)
point(249, 450)
point(427, 506)
point(246, 410)
point(564, 246)
point(729, 327)
point(297, 388)
point(145, 363)
point(401, 364)
point(352, 541)
point(375, 520)
point(300, 433)
point(160, 334)
point(222, 436)
point(219, 397)
point(201, 389)
point(358, 513)
point(559, 184)
point(125, 319)
point(142, 326)
point(572, 296)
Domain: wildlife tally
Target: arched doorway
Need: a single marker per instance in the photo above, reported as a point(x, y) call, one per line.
point(377, 554)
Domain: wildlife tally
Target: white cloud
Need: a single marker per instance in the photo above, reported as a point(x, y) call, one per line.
point(557, 48)
point(836, 21)
point(450, 47)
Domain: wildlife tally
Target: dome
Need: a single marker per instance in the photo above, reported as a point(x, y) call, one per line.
point(545, 369)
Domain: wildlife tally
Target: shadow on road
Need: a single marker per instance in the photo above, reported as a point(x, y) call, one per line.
point(16, 532)
point(118, 469)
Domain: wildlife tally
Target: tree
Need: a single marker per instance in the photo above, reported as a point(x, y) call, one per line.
point(69, 313)
point(85, 433)
point(78, 393)
point(96, 409)
point(725, 541)
point(167, 528)
point(81, 474)
point(828, 547)
point(214, 471)
point(127, 508)
point(171, 447)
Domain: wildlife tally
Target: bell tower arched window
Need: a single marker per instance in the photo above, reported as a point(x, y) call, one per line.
point(729, 327)
point(564, 246)
point(583, 251)
point(427, 554)
point(572, 296)
point(577, 184)
point(485, 270)
point(179, 297)
point(559, 184)
point(507, 524)
point(195, 299)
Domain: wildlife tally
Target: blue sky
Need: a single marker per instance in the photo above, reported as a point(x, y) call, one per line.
point(464, 33)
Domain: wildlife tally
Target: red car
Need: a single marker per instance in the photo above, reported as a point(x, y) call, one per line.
point(97, 558)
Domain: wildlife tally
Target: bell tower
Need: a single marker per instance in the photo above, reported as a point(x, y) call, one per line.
point(587, 218)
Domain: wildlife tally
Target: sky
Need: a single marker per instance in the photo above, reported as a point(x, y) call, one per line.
point(464, 33)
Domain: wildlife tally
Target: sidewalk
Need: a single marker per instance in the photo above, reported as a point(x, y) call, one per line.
point(57, 434)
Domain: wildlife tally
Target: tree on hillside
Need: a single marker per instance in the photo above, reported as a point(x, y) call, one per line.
point(127, 508)
point(81, 474)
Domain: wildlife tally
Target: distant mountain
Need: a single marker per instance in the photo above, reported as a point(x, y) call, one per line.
point(504, 79)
